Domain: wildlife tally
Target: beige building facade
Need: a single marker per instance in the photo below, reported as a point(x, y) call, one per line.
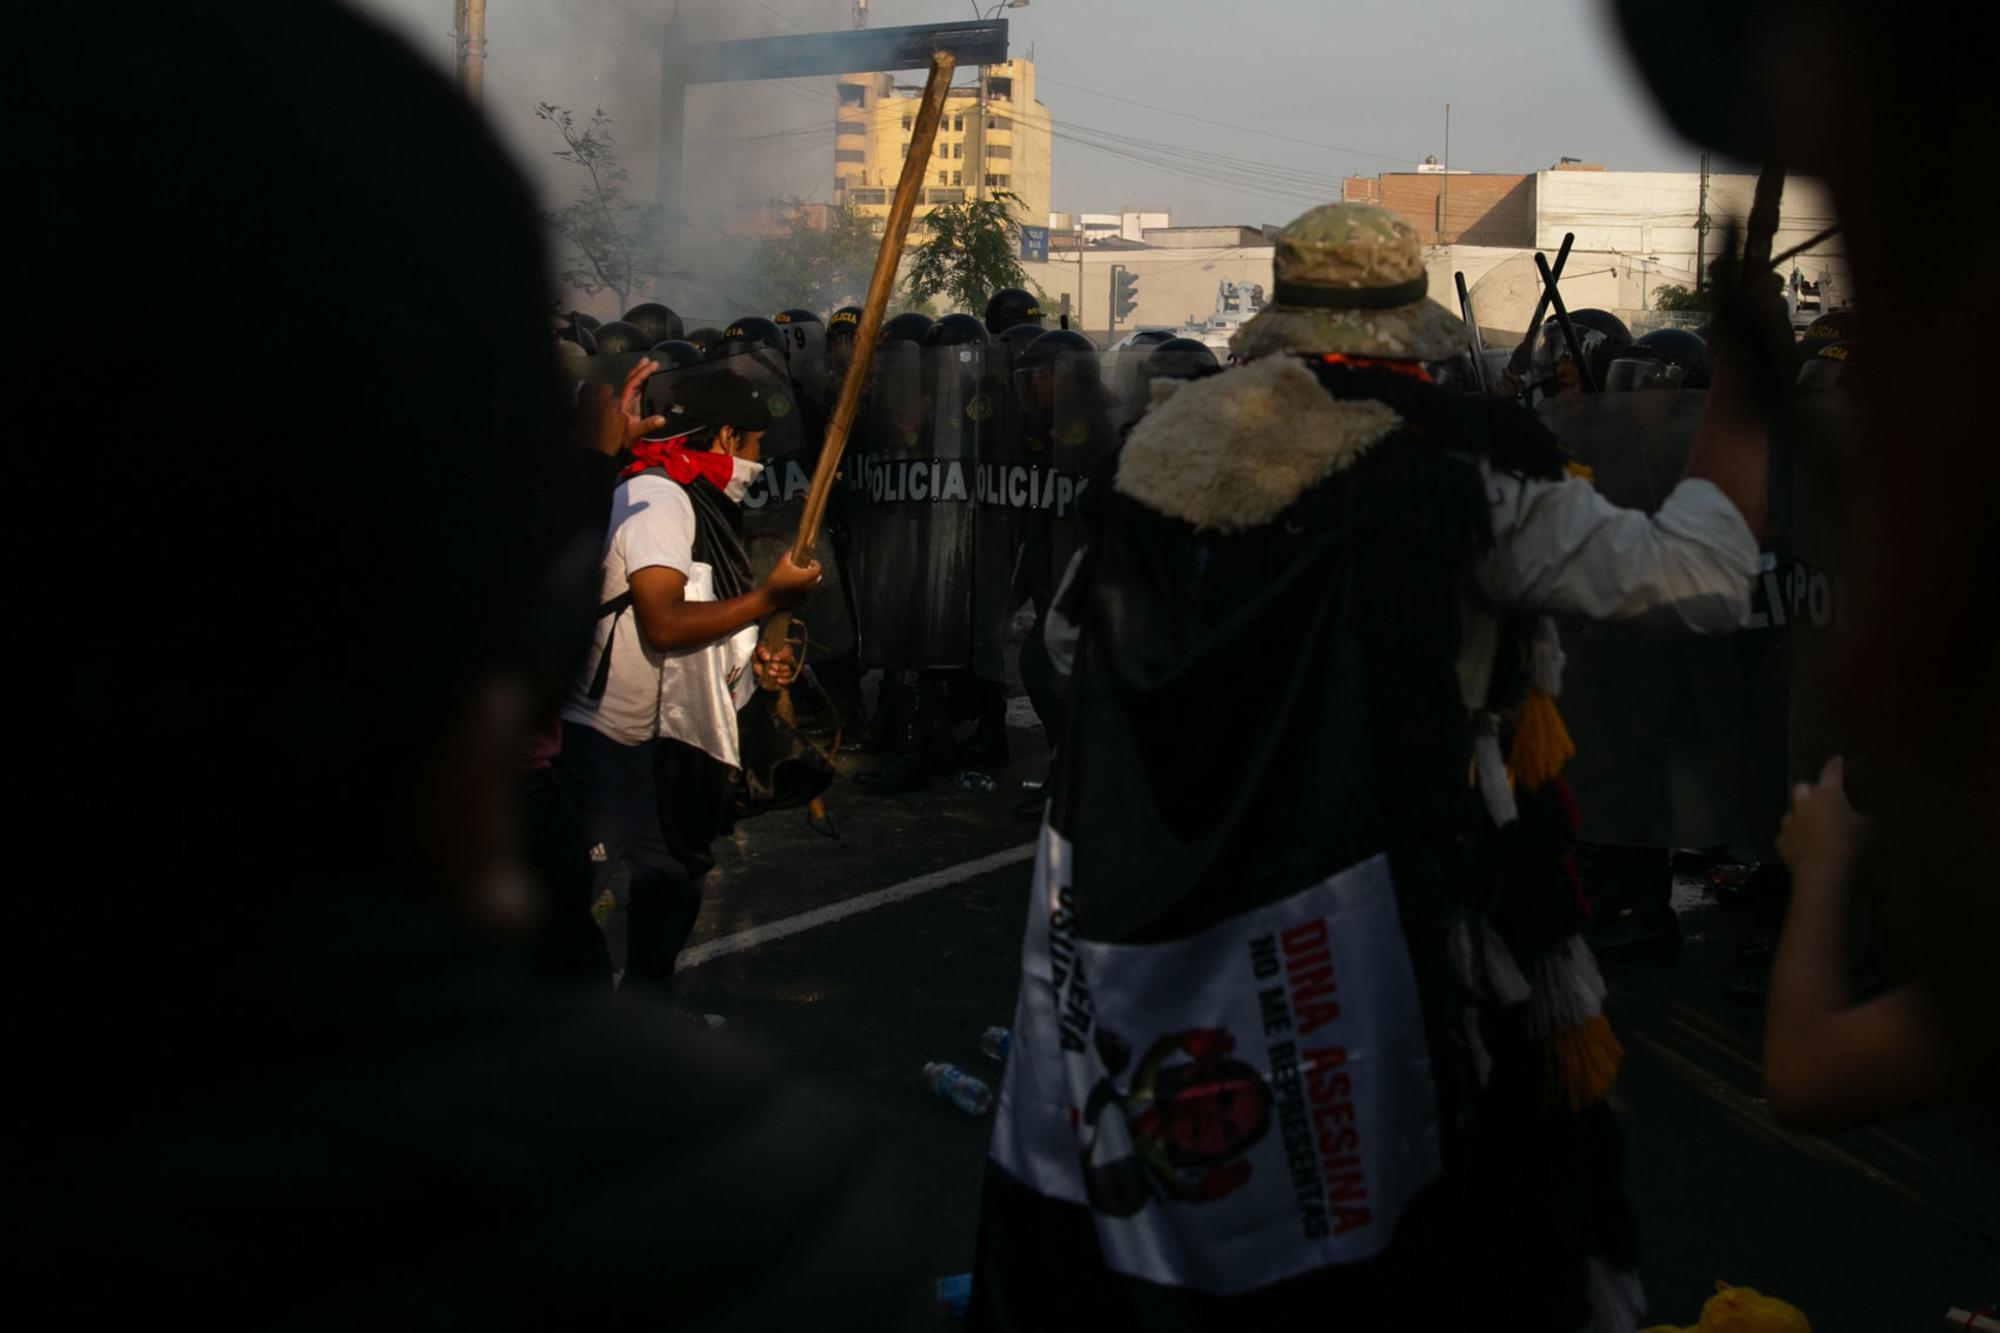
point(996, 137)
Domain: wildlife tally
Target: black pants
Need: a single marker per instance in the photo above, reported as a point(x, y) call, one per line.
point(614, 790)
point(568, 946)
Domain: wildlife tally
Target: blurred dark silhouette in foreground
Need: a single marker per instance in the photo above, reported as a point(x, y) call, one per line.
point(280, 577)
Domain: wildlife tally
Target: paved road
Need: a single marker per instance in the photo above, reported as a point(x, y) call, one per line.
point(1868, 1233)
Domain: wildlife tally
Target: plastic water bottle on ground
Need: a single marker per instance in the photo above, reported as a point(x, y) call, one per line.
point(954, 1295)
point(973, 780)
point(994, 1041)
point(959, 1088)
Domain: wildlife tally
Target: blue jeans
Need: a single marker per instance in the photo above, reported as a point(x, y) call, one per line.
point(615, 794)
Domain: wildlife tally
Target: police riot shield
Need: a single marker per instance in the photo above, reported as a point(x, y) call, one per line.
point(998, 528)
point(805, 354)
point(776, 501)
point(1694, 742)
point(1069, 425)
point(919, 478)
point(883, 471)
point(1127, 381)
point(1504, 301)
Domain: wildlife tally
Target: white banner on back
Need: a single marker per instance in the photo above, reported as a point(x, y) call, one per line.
point(1235, 1108)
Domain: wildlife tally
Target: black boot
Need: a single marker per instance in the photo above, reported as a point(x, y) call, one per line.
point(883, 733)
point(905, 769)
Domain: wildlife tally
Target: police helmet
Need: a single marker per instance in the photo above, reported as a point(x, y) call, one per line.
point(796, 315)
point(675, 354)
point(1833, 368)
point(618, 336)
point(1011, 306)
point(1604, 322)
point(909, 327)
point(1833, 325)
point(1599, 333)
point(1178, 359)
point(704, 337)
point(581, 320)
point(579, 336)
point(660, 323)
point(747, 335)
point(1052, 345)
point(1663, 359)
point(844, 324)
point(957, 331)
point(1020, 335)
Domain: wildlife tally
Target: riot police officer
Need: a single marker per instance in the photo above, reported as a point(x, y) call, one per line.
point(920, 542)
point(1662, 359)
point(618, 337)
point(1011, 306)
point(840, 330)
point(658, 322)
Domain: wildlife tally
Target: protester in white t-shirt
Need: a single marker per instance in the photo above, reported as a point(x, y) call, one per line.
point(651, 727)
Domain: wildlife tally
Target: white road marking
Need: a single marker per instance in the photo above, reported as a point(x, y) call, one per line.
point(840, 911)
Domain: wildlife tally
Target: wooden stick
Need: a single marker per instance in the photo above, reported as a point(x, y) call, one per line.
point(915, 169)
point(1762, 226)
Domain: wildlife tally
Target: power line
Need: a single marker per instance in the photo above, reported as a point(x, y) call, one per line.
point(1264, 172)
point(1242, 129)
point(1258, 189)
point(1288, 189)
point(780, 16)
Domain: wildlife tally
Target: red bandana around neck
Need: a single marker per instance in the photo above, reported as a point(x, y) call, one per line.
point(680, 463)
point(1413, 369)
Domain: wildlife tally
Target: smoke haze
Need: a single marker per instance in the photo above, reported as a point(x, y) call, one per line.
point(746, 143)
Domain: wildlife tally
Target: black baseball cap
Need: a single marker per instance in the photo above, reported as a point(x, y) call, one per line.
point(717, 398)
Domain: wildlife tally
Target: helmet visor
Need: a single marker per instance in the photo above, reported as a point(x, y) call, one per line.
point(1629, 374)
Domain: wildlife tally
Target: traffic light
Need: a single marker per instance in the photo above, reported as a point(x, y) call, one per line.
point(1124, 292)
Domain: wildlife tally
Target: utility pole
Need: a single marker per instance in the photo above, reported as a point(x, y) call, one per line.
point(469, 26)
point(979, 131)
point(1079, 276)
point(1444, 186)
point(1701, 229)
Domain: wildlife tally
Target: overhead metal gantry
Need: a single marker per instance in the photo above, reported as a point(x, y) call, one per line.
point(864, 51)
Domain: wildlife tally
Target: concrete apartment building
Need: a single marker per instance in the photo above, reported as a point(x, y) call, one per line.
point(995, 136)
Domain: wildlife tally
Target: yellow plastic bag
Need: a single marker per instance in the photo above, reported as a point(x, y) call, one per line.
point(1741, 1310)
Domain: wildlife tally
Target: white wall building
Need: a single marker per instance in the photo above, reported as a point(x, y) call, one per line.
point(1126, 226)
point(1635, 232)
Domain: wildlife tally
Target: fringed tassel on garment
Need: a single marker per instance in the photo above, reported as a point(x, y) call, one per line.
point(1581, 1064)
point(1581, 1054)
point(1486, 970)
point(1541, 742)
point(1566, 989)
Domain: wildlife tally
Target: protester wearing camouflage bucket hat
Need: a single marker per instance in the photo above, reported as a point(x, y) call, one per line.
point(1309, 842)
point(1351, 280)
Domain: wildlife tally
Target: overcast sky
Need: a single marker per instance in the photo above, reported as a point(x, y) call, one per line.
point(1352, 86)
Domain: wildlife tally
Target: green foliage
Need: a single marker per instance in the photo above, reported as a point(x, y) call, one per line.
point(819, 267)
point(1673, 296)
point(606, 241)
point(971, 253)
